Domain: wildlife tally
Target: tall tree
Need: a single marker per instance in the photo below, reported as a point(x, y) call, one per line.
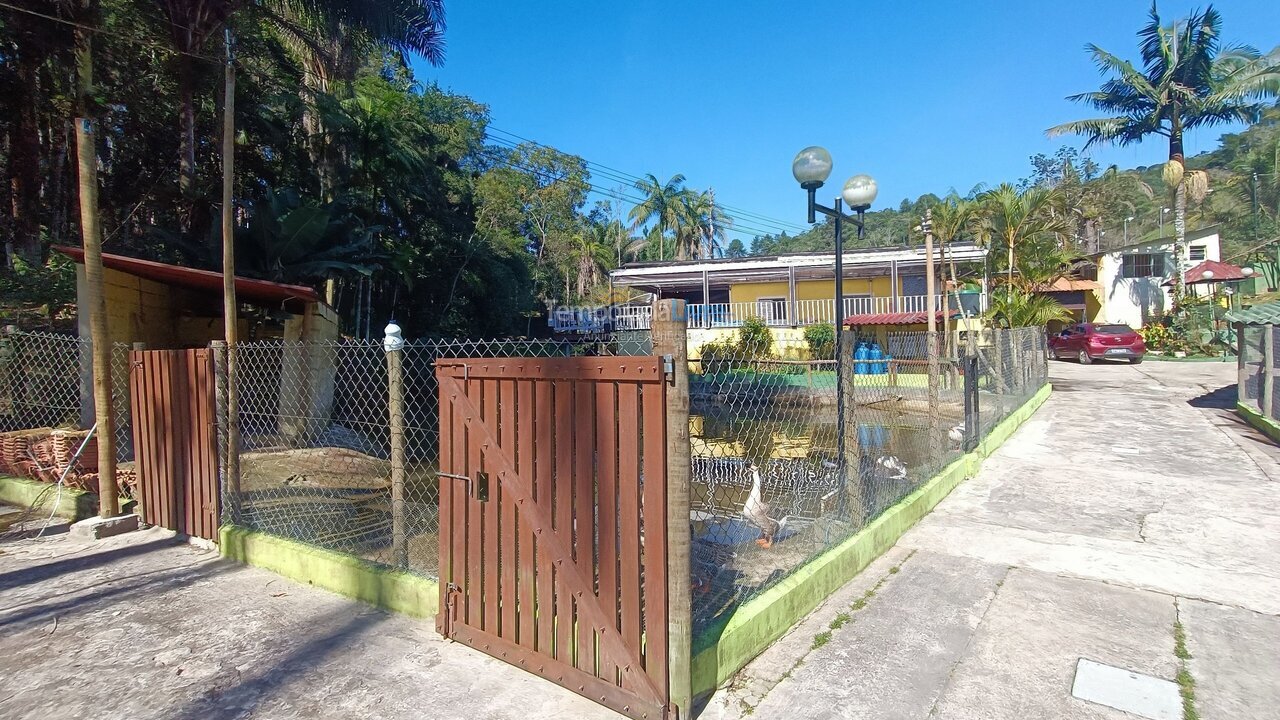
point(663, 205)
point(1187, 80)
point(1013, 219)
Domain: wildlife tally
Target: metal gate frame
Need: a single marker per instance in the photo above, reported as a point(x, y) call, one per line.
point(578, 598)
point(171, 397)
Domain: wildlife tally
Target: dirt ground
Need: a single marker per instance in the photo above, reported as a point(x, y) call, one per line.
point(144, 626)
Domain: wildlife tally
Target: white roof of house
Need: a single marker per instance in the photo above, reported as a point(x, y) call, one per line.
point(863, 262)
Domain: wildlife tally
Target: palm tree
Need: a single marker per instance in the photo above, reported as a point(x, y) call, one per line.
point(1187, 81)
point(1014, 307)
point(661, 204)
point(707, 223)
point(1012, 219)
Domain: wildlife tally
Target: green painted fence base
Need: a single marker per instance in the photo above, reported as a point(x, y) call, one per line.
point(757, 624)
point(353, 577)
point(22, 492)
point(1264, 424)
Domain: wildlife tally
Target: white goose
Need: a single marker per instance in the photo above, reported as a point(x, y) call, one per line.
point(756, 511)
point(892, 464)
point(956, 434)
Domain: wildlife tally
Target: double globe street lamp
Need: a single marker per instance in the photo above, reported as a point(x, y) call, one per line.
point(811, 168)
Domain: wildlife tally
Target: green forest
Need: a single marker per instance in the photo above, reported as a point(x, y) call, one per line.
point(397, 198)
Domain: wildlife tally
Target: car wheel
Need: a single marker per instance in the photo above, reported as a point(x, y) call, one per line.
point(1135, 361)
point(1084, 358)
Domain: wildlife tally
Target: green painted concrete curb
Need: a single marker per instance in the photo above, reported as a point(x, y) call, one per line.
point(757, 624)
point(22, 492)
point(387, 588)
point(1264, 424)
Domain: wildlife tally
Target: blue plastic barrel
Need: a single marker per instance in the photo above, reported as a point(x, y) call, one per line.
point(861, 354)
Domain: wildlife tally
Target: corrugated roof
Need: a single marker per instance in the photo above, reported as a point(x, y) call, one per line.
point(261, 292)
point(1264, 314)
point(898, 318)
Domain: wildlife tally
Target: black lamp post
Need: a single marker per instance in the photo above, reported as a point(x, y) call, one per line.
point(811, 168)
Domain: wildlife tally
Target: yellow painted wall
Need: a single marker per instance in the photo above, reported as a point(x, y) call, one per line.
point(810, 289)
point(138, 310)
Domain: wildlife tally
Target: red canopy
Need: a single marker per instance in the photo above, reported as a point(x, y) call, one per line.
point(898, 318)
point(1222, 272)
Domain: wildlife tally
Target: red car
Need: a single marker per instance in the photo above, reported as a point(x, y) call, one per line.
point(1087, 342)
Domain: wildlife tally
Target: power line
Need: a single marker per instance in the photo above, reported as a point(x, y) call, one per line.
point(496, 153)
point(629, 178)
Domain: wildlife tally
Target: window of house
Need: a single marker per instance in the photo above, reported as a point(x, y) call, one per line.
point(773, 310)
point(1197, 253)
point(1142, 265)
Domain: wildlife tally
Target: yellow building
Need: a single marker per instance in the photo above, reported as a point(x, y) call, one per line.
point(884, 291)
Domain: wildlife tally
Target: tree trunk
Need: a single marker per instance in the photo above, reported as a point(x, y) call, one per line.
point(1179, 206)
point(91, 232)
point(24, 165)
point(186, 143)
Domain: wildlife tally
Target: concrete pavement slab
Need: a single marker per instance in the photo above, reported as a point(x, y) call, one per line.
point(893, 658)
point(1023, 659)
point(1235, 660)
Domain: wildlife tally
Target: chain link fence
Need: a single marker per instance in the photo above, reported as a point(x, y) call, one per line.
point(769, 490)
point(315, 438)
point(46, 401)
point(1253, 342)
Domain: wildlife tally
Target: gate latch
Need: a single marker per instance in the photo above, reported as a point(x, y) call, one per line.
point(669, 368)
point(452, 593)
point(477, 487)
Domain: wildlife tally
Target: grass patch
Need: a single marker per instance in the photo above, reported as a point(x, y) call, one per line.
point(1186, 683)
point(1187, 689)
point(840, 621)
point(1180, 641)
point(821, 639)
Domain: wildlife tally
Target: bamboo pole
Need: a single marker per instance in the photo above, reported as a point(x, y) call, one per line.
point(670, 337)
point(91, 236)
point(931, 340)
point(230, 314)
point(395, 407)
point(1265, 405)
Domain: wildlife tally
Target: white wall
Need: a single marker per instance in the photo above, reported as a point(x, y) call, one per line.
point(1137, 301)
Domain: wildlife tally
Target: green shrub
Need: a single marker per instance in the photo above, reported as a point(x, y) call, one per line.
point(755, 339)
point(717, 357)
point(822, 341)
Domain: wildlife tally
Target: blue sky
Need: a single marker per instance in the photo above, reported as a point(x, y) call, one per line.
point(925, 96)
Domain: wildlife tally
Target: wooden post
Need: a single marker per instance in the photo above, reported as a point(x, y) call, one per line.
point(670, 337)
point(230, 312)
point(931, 340)
point(1268, 374)
point(852, 480)
point(91, 236)
point(395, 412)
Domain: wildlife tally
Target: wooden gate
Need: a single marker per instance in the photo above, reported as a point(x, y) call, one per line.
point(553, 521)
point(175, 439)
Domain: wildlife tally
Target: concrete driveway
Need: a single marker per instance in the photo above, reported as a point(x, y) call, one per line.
point(141, 626)
point(1134, 502)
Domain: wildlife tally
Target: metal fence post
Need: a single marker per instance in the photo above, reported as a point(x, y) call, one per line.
point(1242, 367)
point(935, 421)
point(972, 418)
point(230, 498)
point(1265, 403)
point(670, 337)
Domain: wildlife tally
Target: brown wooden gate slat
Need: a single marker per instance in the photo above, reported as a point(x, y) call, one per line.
point(570, 573)
point(174, 439)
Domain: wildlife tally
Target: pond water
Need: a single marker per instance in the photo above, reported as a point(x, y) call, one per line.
point(794, 451)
